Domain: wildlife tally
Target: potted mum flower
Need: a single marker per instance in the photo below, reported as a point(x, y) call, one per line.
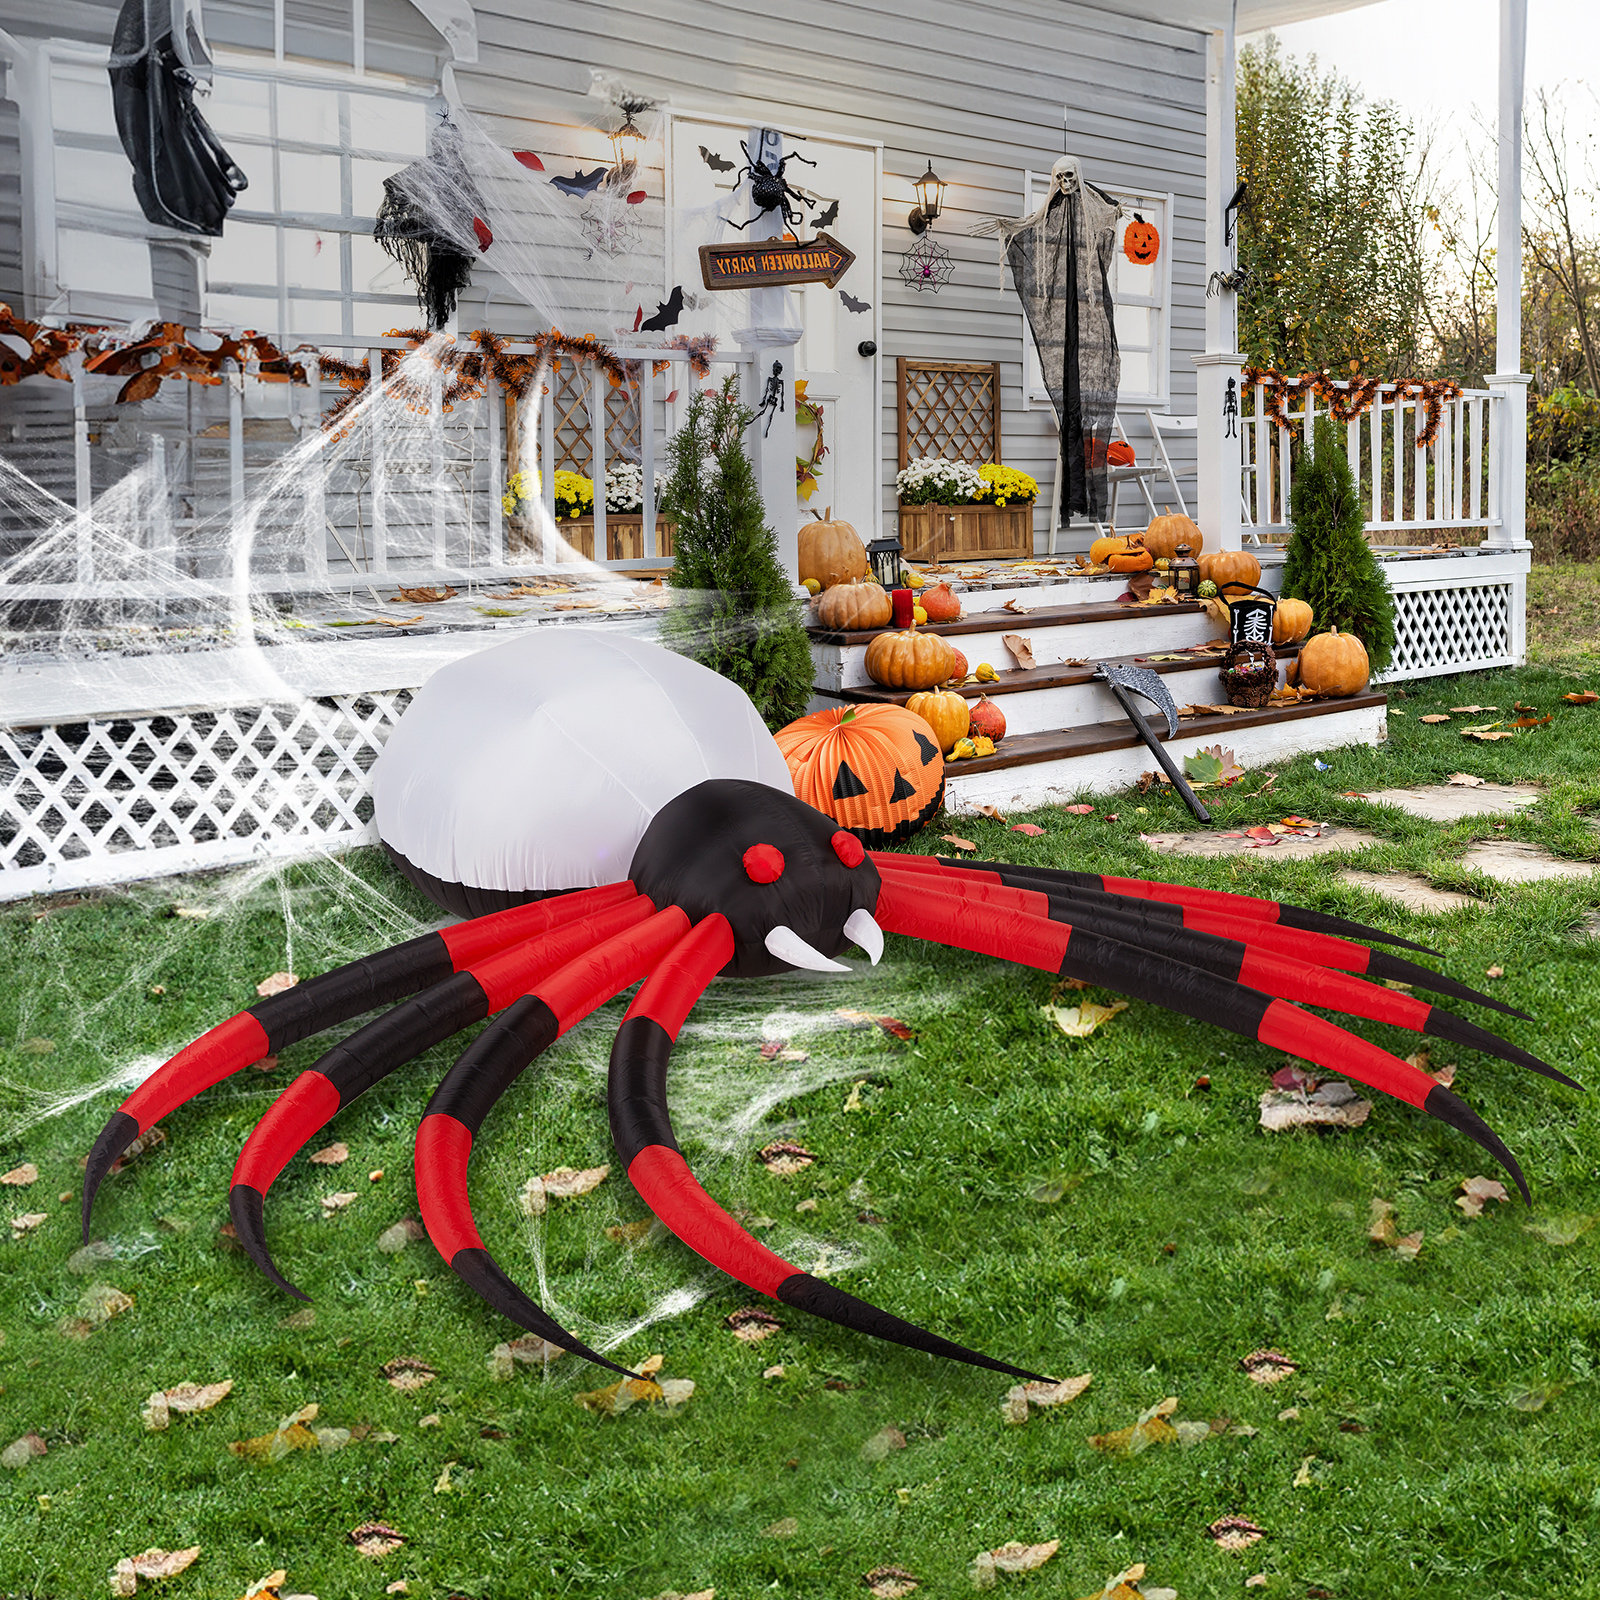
point(954, 508)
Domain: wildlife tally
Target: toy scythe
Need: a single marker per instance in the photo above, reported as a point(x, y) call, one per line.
point(1124, 683)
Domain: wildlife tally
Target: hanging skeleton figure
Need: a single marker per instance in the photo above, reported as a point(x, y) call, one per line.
point(432, 223)
point(551, 762)
point(1061, 257)
point(182, 177)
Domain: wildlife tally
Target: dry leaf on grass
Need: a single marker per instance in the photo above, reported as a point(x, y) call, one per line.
point(1020, 1396)
point(424, 597)
point(1020, 648)
point(1494, 972)
point(151, 1564)
point(631, 1233)
point(290, 1434)
point(1381, 1230)
point(1476, 1191)
point(374, 1540)
point(1151, 1428)
point(529, 1351)
point(20, 1177)
point(882, 1444)
point(1031, 829)
point(1268, 1366)
point(1079, 1021)
point(1079, 811)
point(565, 1183)
point(993, 813)
point(276, 983)
point(338, 1201)
point(893, 1026)
point(27, 1222)
point(889, 1583)
point(783, 1528)
point(1235, 1533)
point(1013, 1557)
point(646, 1389)
point(184, 1397)
point(21, 1451)
point(1437, 716)
point(394, 1239)
point(783, 1157)
point(751, 1324)
point(1584, 697)
point(1329, 1104)
point(1129, 1585)
point(957, 842)
point(407, 1373)
point(333, 1155)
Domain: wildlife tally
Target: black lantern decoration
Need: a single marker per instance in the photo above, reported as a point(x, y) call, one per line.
point(884, 555)
point(626, 144)
point(1183, 572)
point(1250, 615)
point(930, 200)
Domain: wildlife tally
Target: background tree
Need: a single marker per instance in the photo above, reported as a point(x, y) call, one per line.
point(735, 610)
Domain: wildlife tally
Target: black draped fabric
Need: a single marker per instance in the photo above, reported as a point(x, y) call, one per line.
point(1061, 264)
point(182, 177)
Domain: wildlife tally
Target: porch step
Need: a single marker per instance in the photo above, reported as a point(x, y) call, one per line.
point(1086, 631)
point(1047, 768)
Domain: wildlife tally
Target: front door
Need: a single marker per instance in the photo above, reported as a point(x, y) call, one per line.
point(842, 384)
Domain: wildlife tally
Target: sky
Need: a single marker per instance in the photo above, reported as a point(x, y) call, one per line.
point(1438, 59)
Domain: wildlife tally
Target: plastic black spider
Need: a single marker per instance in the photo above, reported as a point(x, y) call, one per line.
point(771, 191)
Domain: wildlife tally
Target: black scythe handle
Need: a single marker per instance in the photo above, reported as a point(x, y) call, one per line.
point(1158, 750)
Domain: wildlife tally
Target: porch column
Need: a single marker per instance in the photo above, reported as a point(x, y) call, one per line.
point(1218, 458)
point(1509, 383)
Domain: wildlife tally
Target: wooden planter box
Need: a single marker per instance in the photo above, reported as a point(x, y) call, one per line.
point(970, 531)
point(624, 538)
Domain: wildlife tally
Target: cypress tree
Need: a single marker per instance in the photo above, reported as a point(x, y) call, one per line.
point(735, 610)
point(1329, 563)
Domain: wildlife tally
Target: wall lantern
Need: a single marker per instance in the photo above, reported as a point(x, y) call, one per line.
point(930, 200)
point(627, 142)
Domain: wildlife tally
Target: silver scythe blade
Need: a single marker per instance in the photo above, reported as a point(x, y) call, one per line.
point(1141, 680)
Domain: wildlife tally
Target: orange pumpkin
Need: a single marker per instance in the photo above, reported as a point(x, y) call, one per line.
point(831, 552)
point(1141, 243)
point(1334, 663)
point(1231, 569)
point(1102, 550)
point(1165, 534)
point(1291, 622)
point(987, 720)
point(909, 660)
point(940, 603)
point(945, 712)
point(1133, 557)
point(875, 770)
point(960, 669)
point(854, 606)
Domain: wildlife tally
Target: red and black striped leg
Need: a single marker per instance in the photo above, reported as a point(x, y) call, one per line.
point(1326, 950)
point(641, 1129)
point(1182, 895)
point(486, 1069)
point(323, 1002)
point(1074, 952)
point(371, 1053)
point(1287, 977)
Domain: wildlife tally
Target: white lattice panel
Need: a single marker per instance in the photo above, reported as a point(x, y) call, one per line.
point(99, 802)
point(1460, 629)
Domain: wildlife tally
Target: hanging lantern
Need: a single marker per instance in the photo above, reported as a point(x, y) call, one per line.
point(627, 144)
point(930, 200)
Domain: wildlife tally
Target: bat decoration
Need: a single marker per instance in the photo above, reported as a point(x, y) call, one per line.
point(529, 160)
point(827, 218)
point(667, 313)
point(852, 304)
point(714, 161)
point(638, 317)
point(481, 229)
point(581, 182)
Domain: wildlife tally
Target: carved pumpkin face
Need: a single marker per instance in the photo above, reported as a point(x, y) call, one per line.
point(875, 770)
point(1141, 243)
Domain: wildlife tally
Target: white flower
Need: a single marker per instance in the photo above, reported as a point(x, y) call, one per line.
point(625, 486)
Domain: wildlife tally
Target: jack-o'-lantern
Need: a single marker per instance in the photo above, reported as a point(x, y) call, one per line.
point(875, 770)
point(1133, 557)
point(1141, 243)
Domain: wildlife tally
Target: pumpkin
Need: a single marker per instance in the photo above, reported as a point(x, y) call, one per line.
point(1133, 557)
point(944, 711)
point(1165, 534)
point(1119, 453)
point(1334, 663)
point(1291, 622)
point(832, 552)
point(1141, 243)
point(909, 660)
point(987, 720)
point(853, 606)
point(875, 770)
point(940, 603)
point(1231, 569)
point(1101, 551)
point(960, 669)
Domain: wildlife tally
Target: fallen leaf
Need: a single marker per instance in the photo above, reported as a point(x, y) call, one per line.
point(277, 983)
point(1151, 1428)
point(1268, 1366)
point(889, 1583)
point(1560, 1230)
point(993, 813)
point(333, 1156)
point(893, 1026)
point(290, 1434)
point(1494, 972)
point(394, 1239)
point(1079, 811)
point(529, 1350)
point(1333, 1104)
point(20, 1177)
point(958, 842)
point(407, 1373)
point(1021, 1396)
point(151, 1564)
point(882, 1444)
point(1020, 648)
point(783, 1158)
point(21, 1451)
point(1585, 697)
point(1212, 764)
point(1031, 829)
point(183, 1398)
point(565, 1183)
point(631, 1233)
point(1013, 1557)
point(1437, 716)
point(1381, 1230)
point(1530, 722)
point(1079, 1021)
point(374, 1540)
point(646, 1389)
point(338, 1201)
point(783, 1528)
point(421, 597)
point(1016, 605)
point(1472, 711)
point(27, 1222)
point(1476, 1191)
point(1464, 780)
point(1487, 735)
point(101, 1302)
point(751, 1324)
point(1235, 1533)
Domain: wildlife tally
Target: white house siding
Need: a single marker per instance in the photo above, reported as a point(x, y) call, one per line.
point(982, 91)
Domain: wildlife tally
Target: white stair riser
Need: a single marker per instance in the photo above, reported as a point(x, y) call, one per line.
point(845, 666)
point(1048, 783)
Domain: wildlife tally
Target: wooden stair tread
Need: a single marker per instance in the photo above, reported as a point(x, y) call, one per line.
point(1059, 675)
point(1028, 749)
point(1015, 621)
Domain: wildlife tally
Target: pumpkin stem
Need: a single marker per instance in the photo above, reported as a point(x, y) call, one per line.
point(849, 716)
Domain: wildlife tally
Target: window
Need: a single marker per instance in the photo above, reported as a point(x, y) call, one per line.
point(1142, 297)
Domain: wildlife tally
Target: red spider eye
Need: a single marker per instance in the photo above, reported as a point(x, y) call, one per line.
point(763, 863)
point(849, 849)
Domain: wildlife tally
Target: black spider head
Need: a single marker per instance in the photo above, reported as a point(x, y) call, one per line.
point(764, 860)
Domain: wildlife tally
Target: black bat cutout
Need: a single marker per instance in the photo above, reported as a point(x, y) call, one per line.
point(667, 313)
point(830, 216)
point(714, 161)
point(852, 304)
point(580, 182)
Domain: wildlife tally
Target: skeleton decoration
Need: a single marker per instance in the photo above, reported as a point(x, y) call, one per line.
point(1060, 257)
point(646, 788)
point(182, 177)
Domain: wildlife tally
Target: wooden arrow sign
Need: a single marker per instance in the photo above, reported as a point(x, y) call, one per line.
point(767, 263)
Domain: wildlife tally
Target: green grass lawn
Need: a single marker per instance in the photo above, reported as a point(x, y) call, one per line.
point(1441, 1429)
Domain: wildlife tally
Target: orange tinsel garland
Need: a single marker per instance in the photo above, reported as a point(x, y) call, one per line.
point(1347, 399)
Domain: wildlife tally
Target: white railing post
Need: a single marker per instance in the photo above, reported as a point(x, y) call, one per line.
point(1508, 458)
point(494, 399)
point(316, 474)
point(377, 431)
point(597, 459)
point(647, 457)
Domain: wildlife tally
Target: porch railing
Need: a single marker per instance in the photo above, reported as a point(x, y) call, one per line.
point(1407, 486)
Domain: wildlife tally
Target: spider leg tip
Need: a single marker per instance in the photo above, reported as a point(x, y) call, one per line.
point(119, 1132)
point(248, 1207)
point(1451, 1109)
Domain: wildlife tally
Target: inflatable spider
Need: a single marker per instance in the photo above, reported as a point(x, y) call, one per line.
point(641, 797)
point(771, 191)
